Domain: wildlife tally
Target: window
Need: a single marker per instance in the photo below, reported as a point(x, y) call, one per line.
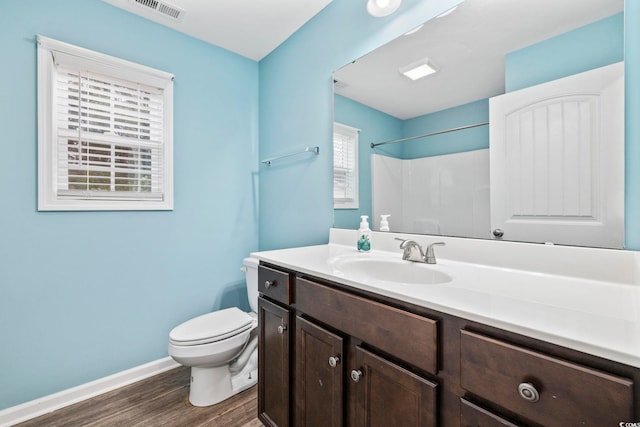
point(105, 132)
point(345, 167)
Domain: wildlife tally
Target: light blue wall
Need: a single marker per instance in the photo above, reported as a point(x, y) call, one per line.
point(296, 93)
point(586, 48)
point(375, 126)
point(454, 142)
point(86, 294)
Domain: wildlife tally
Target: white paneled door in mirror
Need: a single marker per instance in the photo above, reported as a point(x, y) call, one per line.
point(557, 161)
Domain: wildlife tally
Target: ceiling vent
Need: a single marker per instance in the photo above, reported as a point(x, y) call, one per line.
point(162, 8)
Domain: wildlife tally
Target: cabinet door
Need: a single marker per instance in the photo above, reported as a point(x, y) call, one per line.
point(389, 395)
point(273, 364)
point(318, 376)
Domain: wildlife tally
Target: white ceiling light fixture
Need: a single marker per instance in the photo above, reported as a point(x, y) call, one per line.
point(380, 8)
point(419, 69)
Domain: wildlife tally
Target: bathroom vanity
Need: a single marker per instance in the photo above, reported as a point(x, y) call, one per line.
point(340, 347)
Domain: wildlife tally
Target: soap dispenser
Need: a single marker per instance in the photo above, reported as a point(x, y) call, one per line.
point(364, 234)
point(384, 222)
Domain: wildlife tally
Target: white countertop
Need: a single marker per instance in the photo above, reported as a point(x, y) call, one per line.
point(599, 317)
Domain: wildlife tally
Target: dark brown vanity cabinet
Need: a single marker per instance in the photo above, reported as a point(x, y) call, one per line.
point(331, 355)
point(475, 416)
point(377, 392)
point(274, 347)
point(345, 358)
point(542, 388)
point(273, 364)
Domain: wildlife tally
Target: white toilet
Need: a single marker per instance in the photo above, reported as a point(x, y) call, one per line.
point(220, 347)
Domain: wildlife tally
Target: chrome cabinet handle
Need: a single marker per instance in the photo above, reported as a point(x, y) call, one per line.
point(356, 375)
point(333, 361)
point(268, 284)
point(498, 232)
point(282, 328)
point(528, 392)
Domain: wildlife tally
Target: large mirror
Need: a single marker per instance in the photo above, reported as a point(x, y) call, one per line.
point(428, 148)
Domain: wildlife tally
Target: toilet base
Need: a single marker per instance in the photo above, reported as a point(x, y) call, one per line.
point(210, 385)
point(248, 376)
point(213, 385)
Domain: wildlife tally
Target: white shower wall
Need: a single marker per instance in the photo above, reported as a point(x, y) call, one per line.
point(446, 195)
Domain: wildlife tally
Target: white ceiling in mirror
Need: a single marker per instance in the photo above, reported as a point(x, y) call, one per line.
point(375, 79)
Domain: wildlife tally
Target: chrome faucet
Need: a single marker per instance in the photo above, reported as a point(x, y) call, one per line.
point(429, 257)
point(407, 246)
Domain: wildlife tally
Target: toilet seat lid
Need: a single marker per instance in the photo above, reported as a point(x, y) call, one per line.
point(211, 327)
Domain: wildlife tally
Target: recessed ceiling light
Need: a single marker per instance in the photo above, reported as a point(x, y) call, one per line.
point(380, 8)
point(418, 70)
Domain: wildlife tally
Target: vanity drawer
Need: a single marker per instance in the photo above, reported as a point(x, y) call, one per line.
point(568, 393)
point(405, 335)
point(275, 284)
point(472, 415)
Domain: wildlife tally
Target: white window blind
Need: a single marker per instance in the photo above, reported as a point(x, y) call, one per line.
point(345, 167)
point(109, 138)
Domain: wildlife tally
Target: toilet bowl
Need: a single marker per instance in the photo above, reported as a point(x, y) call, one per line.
point(220, 347)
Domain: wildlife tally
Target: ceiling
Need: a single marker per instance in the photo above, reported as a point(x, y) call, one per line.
point(251, 28)
point(468, 47)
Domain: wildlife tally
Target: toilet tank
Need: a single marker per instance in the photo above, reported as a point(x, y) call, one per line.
point(251, 275)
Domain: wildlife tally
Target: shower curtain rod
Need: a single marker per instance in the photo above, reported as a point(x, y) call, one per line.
point(373, 145)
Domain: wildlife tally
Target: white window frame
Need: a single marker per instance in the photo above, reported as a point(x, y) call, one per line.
point(351, 136)
point(52, 53)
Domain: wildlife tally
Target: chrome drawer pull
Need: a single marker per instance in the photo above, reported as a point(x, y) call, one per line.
point(333, 361)
point(528, 392)
point(281, 329)
point(356, 375)
point(268, 284)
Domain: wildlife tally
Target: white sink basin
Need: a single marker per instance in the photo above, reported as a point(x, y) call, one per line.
point(390, 270)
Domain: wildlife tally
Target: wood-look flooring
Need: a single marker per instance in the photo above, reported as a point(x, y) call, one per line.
point(161, 400)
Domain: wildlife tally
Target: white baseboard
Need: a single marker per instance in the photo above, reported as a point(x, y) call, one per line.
point(52, 402)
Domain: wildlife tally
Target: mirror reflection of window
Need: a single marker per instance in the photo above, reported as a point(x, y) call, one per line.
point(345, 167)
